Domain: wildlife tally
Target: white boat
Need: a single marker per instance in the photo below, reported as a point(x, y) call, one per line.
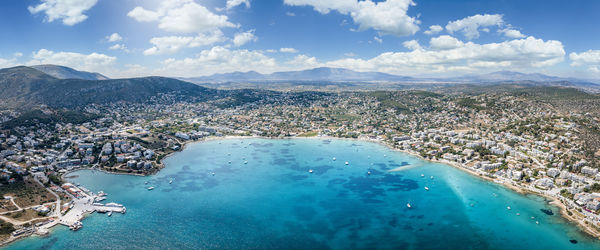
point(109, 213)
point(369, 173)
point(508, 207)
point(346, 163)
point(518, 214)
point(426, 188)
point(408, 205)
point(537, 222)
point(245, 162)
point(310, 171)
point(422, 175)
point(334, 158)
point(431, 177)
point(150, 188)
point(170, 181)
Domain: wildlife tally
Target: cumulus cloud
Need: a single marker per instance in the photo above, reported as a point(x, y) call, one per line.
point(244, 37)
point(90, 62)
point(433, 29)
point(69, 11)
point(182, 16)
point(7, 62)
point(114, 37)
point(173, 44)
point(300, 62)
point(511, 33)
point(288, 50)
point(444, 42)
point(378, 39)
point(119, 46)
point(233, 3)
point(470, 26)
point(219, 60)
point(590, 58)
point(447, 54)
point(412, 45)
point(387, 17)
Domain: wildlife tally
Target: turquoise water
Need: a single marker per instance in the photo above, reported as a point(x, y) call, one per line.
point(274, 202)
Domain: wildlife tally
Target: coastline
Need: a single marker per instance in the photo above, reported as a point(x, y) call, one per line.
point(564, 210)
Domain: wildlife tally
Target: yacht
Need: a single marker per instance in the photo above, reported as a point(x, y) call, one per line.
point(408, 205)
point(431, 177)
point(422, 175)
point(109, 213)
point(310, 171)
point(170, 181)
point(346, 163)
point(369, 173)
point(150, 188)
point(508, 207)
point(426, 188)
point(334, 158)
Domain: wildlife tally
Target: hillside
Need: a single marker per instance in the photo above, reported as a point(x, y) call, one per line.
point(62, 72)
point(25, 87)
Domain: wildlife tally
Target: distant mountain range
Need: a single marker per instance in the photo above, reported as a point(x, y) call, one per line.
point(346, 75)
point(316, 74)
point(62, 72)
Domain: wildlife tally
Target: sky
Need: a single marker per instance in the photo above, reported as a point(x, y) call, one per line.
point(186, 38)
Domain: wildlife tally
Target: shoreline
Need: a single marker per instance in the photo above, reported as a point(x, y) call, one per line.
point(564, 210)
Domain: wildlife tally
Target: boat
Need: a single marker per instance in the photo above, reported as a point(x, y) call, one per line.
point(431, 177)
point(170, 181)
point(245, 162)
point(334, 158)
point(422, 175)
point(369, 173)
point(518, 214)
point(310, 171)
point(408, 205)
point(537, 222)
point(508, 207)
point(426, 188)
point(101, 193)
point(346, 163)
point(145, 182)
point(76, 226)
point(150, 188)
point(109, 213)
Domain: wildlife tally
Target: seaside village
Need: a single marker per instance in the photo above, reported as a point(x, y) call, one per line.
point(512, 140)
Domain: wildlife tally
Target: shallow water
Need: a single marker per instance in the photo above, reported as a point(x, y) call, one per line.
point(274, 202)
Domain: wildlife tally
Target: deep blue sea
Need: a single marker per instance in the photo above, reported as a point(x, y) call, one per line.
point(273, 202)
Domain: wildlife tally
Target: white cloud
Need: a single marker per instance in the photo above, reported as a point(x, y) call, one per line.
point(470, 26)
point(119, 46)
point(433, 29)
point(219, 60)
point(233, 3)
point(244, 37)
point(511, 33)
point(388, 17)
point(69, 11)
point(288, 50)
point(462, 57)
point(91, 62)
point(7, 63)
point(412, 45)
point(303, 62)
point(445, 42)
point(182, 16)
point(142, 15)
point(173, 44)
point(378, 39)
point(290, 14)
point(114, 37)
point(590, 57)
point(18, 54)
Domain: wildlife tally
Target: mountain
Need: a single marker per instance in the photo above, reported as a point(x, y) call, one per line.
point(316, 74)
point(62, 72)
point(25, 86)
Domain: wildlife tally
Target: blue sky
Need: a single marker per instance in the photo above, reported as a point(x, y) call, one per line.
point(125, 38)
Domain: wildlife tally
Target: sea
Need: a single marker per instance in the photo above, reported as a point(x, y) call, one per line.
point(292, 194)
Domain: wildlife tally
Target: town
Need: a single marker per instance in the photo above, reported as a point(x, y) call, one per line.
point(527, 141)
